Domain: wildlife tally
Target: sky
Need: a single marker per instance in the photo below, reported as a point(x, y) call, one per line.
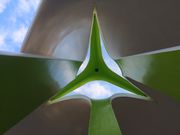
point(16, 17)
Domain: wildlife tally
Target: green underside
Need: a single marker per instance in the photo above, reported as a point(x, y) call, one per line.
point(160, 71)
point(102, 119)
point(26, 83)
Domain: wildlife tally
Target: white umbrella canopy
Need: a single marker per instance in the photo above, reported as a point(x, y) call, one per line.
point(128, 27)
point(62, 29)
point(135, 117)
point(66, 118)
point(133, 27)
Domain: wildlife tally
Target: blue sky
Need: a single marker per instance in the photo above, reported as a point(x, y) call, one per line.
point(16, 17)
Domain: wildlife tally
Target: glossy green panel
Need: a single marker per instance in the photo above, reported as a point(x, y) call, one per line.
point(25, 83)
point(160, 71)
point(102, 119)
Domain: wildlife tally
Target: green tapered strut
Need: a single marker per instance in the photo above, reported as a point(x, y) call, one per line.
point(102, 119)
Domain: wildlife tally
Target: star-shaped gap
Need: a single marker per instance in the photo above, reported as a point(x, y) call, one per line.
point(97, 69)
point(103, 89)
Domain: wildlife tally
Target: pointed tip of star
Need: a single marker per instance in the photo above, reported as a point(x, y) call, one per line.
point(95, 16)
point(94, 11)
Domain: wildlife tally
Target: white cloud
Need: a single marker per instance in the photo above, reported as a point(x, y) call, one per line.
point(99, 90)
point(2, 40)
point(25, 6)
point(18, 35)
point(94, 90)
point(3, 5)
point(35, 3)
point(19, 13)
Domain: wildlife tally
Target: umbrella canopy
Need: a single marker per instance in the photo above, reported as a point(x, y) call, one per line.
point(128, 27)
point(62, 30)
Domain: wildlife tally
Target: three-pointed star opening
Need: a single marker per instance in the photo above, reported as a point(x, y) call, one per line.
point(96, 68)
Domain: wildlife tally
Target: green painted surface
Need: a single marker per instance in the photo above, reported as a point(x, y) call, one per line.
point(160, 71)
point(102, 119)
point(97, 69)
point(25, 83)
